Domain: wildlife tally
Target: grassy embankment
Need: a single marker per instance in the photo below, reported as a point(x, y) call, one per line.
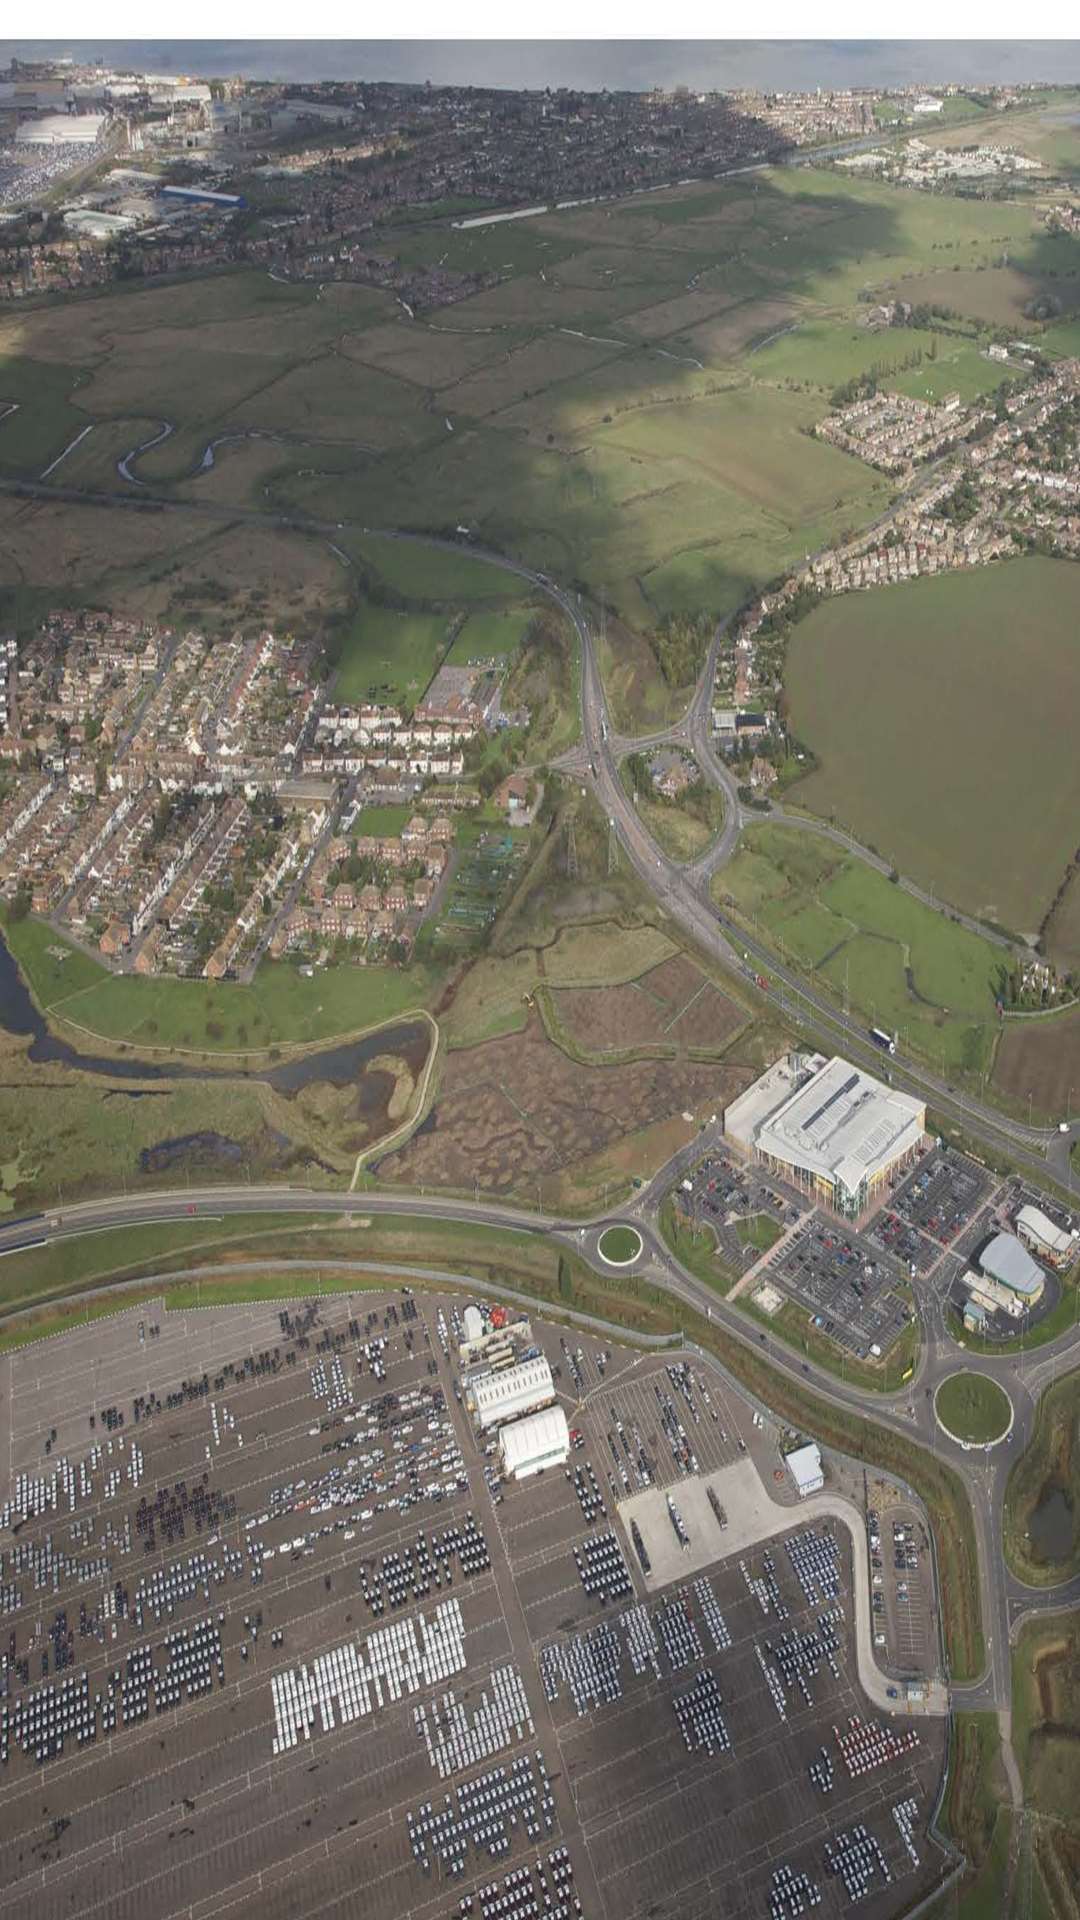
point(975, 1817)
point(1046, 1737)
point(1047, 1471)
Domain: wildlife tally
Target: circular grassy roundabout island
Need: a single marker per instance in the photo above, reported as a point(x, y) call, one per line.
point(973, 1409)
point(619, 1246)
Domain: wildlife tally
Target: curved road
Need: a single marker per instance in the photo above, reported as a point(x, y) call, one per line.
point(678, 890)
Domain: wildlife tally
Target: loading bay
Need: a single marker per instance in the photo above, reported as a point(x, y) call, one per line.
point(281, 1458)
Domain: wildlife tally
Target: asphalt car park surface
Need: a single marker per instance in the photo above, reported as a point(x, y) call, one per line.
point(309, 1686)
point(724, 1189)
point(942, 1195)
point(845, 1282)
point(902, 1588)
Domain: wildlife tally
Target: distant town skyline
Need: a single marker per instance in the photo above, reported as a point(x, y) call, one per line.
point(589, 64)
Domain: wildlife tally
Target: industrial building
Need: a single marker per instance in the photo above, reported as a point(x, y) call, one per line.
point(805, 1468)
point(1008, 1263)
point(62, 129)
point(1046, 1240)
point(528, 1446)
point(827, 1127)
point(205, 197)
point(98, 225)
point(495, 1398)
point(494, 1337)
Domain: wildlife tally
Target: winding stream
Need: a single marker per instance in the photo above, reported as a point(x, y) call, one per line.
point(342, 1065)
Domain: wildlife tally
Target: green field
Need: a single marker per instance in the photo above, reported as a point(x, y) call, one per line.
point(904, 966)
point(941, 715)
point(625, 408)
point(389, 656)
point(1041, 1059)
point(620, 1245)
point(205, 1017)
point(492, 637)
point(825, 354)
point(973, 1407)
point(385, 822)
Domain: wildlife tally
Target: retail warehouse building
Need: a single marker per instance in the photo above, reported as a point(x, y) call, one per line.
point(495, 1398)
point(528, 1446)
point(827, 1127)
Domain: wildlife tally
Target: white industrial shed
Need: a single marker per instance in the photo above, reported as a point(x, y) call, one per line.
point(831, 1129)
point(805, 1468)
point(62, 129)
point(528, 1446)
point(498, 1397)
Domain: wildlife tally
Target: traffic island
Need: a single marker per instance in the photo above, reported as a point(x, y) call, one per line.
point(620, 1246)
point(973, 1410)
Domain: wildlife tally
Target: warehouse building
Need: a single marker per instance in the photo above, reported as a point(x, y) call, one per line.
point(1011, 1266)
point(62, 129)
point(828, 1128)
point(805, 1468)
point(495, 1398)
point(528, 1446)
point(1045, 1239)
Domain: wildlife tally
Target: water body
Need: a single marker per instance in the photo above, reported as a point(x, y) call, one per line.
point(1051, 1525)
point(590, 64)
point(342, 1066)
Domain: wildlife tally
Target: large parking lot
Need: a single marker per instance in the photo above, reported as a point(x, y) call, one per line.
point(272, 1646)
point(942, 1195)
point(902, 1587)
point(722, 1191)
point(845, 1282)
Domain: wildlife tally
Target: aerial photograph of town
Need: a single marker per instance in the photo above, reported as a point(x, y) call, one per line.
point(539, 969)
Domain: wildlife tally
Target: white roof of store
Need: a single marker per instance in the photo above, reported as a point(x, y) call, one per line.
point(1007, 1260)
point(533, 1438)
point(499, 1395)
point(1034, 1221)
point(843, 1125)
point(56, 129)
point(804, 1466)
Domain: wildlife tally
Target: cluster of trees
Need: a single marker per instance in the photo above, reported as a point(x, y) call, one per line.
point(962, 504)
point(680, 643)
point(359, 869)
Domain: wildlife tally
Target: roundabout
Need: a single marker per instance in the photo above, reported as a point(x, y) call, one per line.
point(973, 1410)
point(620, 1246)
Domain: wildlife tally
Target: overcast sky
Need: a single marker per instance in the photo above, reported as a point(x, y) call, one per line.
point(590, 64)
